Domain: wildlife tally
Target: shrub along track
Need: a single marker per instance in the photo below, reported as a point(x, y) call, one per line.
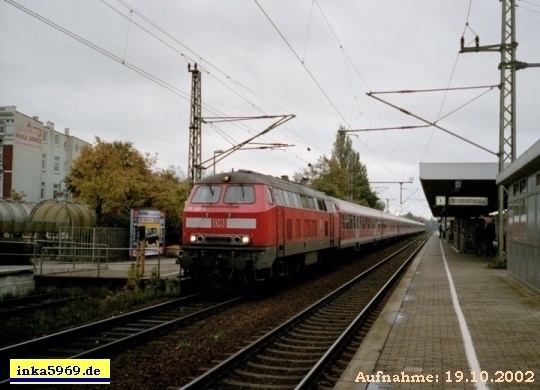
point(179, 357)
point(19, 307)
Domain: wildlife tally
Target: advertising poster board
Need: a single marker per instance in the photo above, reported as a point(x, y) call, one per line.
point(154, 223)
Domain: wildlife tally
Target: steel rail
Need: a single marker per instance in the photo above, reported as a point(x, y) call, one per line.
point(329, 356)
point(209, 378)
point(29, 348)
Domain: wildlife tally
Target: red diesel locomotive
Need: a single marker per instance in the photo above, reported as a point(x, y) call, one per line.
point(243, 226)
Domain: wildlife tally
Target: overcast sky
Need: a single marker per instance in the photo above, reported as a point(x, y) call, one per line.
point(119, 70)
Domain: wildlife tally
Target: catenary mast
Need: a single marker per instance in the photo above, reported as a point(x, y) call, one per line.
point(194, 159)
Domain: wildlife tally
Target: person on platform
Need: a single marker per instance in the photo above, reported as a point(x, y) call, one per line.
point(441, 231)
point(489, 237)
point(478, 237)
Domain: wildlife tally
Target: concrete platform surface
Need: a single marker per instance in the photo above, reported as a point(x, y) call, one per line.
point(452, 323)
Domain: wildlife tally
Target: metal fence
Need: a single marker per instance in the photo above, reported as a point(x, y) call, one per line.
point(84, 242)
point(80, 249)
point(69, 244)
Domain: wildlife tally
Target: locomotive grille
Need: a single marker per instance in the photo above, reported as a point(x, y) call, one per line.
point(218, 240)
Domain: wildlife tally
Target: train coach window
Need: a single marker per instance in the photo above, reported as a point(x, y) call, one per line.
point(206, 194)
point(239, 194)
point(321, 204)
point(311, 204)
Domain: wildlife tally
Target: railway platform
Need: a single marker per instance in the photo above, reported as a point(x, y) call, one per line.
point(65, 273)
point(452, 323)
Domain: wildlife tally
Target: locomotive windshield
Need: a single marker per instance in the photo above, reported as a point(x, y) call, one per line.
point(207, 194)
point(239, 194)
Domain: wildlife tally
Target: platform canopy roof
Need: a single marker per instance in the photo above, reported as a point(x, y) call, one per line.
point(524, 165)
point(461, 190)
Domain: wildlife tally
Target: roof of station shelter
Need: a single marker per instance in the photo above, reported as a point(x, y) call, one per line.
point(461, 190)
point(14, 215)
point(526, 164)
point(50, 215)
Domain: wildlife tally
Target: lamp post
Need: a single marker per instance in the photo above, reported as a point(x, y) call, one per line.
point(219, 151)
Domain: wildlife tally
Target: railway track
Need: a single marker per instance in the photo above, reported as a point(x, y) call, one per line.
point(296, 354)
point(111, 336)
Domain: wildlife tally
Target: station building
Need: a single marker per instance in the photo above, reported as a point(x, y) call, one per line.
point(522, 179)
point(34, 157)
point(460, 194)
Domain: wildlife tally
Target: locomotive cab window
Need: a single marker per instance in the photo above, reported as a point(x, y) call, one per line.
point(279, 197)
point(239, 194)
point(269, 196)
point(207, 194)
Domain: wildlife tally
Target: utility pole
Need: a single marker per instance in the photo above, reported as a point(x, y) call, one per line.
point(351, 177)
point(195, 141)
point(400, 187)
point(507, 108)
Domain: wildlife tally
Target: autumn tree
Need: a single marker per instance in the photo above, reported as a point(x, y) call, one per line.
point(113, 177)
point(342, 175)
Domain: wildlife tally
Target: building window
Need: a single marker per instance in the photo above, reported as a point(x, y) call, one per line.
point(56, 164)
point(65, 145)
point(56, 139)
point(44, 136)
point(2, 127)
point(42, 190)
point(56, 189)
point(43, 162)
point(520, 187)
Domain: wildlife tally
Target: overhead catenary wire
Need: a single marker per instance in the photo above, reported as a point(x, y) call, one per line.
point(121, 60)
point(346, 57)
point(99, 49)
point(302, 63)
point(194, 57)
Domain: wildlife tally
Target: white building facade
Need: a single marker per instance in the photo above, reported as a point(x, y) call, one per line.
point(34, 157)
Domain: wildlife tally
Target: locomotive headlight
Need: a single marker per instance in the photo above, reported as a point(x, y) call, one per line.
point(193, 238)
point(246, 239)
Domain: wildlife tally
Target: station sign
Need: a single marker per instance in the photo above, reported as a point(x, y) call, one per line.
point(467, 201)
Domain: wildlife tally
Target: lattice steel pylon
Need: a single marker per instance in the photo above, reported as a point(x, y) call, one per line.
point(507, 116)
point(507, 109)
point(195, 121)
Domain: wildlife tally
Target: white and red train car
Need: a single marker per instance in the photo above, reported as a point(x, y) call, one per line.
point(247, 226)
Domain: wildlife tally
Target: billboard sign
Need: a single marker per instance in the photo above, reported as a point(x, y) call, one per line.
point(154, 227)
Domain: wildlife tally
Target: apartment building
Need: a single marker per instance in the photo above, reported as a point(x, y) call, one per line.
point(35, 158)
